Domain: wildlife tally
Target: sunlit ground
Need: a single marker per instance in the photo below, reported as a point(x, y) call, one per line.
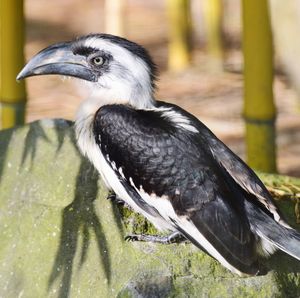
point(214, 99)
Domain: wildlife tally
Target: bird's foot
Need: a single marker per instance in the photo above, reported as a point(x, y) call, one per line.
point(175, 237)
point(114, 198)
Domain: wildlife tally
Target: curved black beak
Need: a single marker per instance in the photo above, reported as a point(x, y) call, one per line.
point(58, 59)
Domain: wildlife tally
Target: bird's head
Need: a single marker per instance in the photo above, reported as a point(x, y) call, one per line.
point(115, 69)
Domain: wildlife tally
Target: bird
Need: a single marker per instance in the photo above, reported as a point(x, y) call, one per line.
point(161, 160)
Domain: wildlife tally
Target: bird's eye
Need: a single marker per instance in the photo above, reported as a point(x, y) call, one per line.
point(98, 60)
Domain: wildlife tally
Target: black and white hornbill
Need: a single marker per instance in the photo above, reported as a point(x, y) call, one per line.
point(161, 160)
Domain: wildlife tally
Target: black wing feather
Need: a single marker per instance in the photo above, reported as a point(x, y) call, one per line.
point(236, 168)
point(166, 160)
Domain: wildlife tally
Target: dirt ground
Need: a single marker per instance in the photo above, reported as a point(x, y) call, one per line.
point(216, 99)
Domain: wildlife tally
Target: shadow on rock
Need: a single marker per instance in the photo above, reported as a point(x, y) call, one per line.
point(5, 140)
point(79, 217)
point(38, 132)
point(60, 126)
point(35, 133)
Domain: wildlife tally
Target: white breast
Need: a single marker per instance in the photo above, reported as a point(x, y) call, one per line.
point(87, 144)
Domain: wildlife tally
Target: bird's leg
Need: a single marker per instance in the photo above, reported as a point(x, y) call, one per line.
point(114, 198)
point(175, 237)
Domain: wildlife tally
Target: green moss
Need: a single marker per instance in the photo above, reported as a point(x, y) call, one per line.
point(136, 223)
point(289, 284)
point(60, 237)
point(278, 180)
point(126, 293)
point(286, 192)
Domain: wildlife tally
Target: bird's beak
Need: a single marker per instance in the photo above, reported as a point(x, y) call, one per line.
point(58, 59)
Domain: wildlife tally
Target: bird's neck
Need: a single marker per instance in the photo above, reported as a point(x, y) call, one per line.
point(88, 108)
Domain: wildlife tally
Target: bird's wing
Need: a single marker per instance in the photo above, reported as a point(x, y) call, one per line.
point(178, 177)
point(236, 168)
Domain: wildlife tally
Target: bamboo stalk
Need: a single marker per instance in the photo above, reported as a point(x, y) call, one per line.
point(12, 94)
point(213, 10)
point(179, 34)
point(259, 108)
point(114, 17)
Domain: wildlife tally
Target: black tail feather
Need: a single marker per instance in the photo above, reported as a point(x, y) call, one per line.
point(287, 240)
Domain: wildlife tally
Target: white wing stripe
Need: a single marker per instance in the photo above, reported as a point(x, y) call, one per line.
point(176, 118)
point(166, 210)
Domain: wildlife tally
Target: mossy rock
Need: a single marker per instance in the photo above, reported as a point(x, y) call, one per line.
point(61, 237)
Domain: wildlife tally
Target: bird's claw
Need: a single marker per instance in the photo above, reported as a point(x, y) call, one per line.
point(114, 198)
point(111, 196)
point(131, 238)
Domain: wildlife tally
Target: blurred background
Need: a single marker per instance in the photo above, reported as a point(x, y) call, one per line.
point(201, 47)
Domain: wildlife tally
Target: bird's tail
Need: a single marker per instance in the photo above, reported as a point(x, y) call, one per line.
point(283, 238)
